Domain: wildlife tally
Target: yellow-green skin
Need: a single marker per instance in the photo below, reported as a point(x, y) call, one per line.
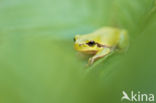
point(107, 39)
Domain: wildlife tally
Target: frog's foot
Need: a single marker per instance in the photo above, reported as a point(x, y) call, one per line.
point(99, 55)
point(91, 61)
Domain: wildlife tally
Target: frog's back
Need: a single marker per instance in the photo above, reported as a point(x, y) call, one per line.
point(108, 36)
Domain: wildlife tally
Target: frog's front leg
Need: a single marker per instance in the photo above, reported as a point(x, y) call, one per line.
point(98, 55)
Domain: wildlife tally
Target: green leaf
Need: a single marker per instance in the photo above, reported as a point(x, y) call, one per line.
point(38, 63)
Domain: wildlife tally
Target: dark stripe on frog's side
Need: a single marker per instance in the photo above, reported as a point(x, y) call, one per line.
point(100, 45)
point(104, 46)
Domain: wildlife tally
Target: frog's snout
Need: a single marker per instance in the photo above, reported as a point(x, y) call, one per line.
point(78, 46)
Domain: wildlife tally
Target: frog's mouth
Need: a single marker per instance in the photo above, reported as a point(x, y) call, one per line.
point(85, 49)
point(89, 52)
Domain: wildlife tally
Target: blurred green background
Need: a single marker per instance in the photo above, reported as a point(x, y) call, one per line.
point(38, 63)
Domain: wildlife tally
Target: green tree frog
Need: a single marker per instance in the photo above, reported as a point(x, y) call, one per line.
point(101, 42)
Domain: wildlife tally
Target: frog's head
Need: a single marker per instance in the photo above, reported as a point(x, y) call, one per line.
point(85, 44)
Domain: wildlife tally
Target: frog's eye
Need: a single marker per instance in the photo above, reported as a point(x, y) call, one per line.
point(74, 39)
point(91, 43)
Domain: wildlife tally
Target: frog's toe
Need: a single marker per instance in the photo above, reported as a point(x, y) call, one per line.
point(90, 61)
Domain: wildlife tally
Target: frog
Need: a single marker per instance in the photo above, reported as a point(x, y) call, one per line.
point(101, 42)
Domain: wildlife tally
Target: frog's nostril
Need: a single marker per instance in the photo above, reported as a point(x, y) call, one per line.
point(80, 44)
point(74, 39)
